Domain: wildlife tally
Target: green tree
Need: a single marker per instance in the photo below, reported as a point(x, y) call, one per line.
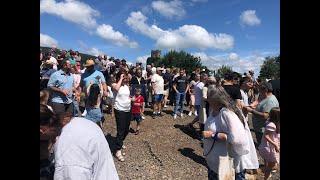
point(181, 59)
point(271, 68)
point(223, 70)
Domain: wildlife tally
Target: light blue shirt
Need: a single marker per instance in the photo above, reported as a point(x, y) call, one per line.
point(82, 153)
point(61, 80)
point(87, 77)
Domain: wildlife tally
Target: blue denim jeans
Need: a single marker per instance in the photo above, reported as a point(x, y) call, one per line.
point(180, 97)
point(76, 110)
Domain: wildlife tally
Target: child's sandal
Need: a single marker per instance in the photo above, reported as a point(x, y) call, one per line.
point(137, 132)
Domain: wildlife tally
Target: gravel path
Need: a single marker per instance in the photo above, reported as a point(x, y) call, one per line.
point(164, 149)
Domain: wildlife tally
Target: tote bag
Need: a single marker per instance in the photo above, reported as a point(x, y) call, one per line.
point(226, 170)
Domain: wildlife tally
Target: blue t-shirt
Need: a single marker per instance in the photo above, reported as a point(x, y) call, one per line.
point(61, 80)
point(95, 78)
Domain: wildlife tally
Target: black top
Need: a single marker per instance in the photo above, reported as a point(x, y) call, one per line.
point(135, 84)
point(134, 80)
point(233, 91)
point(181, 83)
point(167, 79)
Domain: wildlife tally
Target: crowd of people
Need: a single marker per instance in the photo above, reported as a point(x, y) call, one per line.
point(75, 95)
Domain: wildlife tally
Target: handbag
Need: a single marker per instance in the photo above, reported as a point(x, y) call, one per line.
point(226, 170)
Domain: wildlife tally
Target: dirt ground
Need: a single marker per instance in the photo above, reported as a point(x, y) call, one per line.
point(164, 149)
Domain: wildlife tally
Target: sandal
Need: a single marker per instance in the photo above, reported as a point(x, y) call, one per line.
point(137, 132)
point(120, 157)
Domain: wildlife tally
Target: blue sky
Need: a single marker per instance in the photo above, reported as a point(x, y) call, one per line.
point(238, 33)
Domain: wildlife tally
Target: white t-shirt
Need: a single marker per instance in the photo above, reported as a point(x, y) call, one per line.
point(159, 83)
point(198, 92)
point(245, 98)
point(82, 152)
point(122, 99)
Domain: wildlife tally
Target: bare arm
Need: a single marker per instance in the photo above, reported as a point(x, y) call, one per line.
point(117, 86)
point(268, 138)
point(210, 134)
point(88, 89)
point(175, 87)
point(105, 89)
point(261, 114)
point(62, 91)
point(187, 89)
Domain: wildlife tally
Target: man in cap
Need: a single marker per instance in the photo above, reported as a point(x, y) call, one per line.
point(92, 76)
point(61, 85)
point(157, 91)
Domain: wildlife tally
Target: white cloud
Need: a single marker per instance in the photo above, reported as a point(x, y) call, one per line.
point(249, 18)
point(228, 22)
point(244, 64)
point(137, 21)
point(71, 10)
point(47, 41)
point(186, 36)
point(94, 51)
point(199, 0)
point(143, 59)
point(233, 56)
point(172, 9)
point(109, 34)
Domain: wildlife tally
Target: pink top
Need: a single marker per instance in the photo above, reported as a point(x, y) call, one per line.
point(77, 79)
point(266, 149)
point(271, 127)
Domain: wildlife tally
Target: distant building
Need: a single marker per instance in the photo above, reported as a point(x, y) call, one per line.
point(155, 53)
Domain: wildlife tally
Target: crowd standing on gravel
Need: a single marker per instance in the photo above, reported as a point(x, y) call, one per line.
point(74, 97)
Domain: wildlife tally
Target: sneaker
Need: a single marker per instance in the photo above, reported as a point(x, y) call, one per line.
point(165, 106)
point(124, 147)
point(196, 113)
point(175, 116)
point(159, 114)
point(84, 113)
point(190, 113)
point(181, 115)
point(142, 117)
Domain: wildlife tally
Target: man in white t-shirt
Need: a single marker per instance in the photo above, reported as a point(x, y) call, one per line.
point(157, 92)
point(198, 94)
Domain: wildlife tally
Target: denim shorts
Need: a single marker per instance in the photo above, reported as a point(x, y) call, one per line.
point(158, 97)
point(93, 114)
point(136, 117)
